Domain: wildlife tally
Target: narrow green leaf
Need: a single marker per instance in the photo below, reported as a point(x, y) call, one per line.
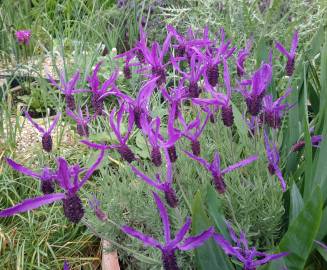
point(239, 122)
point(208, 256)
point(216, 211)
point(296, 203)
point(300, 235)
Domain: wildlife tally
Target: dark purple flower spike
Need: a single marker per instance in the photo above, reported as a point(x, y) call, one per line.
point(227, 109)
point(217, 173)
point(68, 88)
point(241, 57)
point(169, 246)
point(259, 83)
point(165, 186)
point(46, 134)
point(81, 120)
point(193, 131)
point(273, 160)
point(289, 69)
point(196, 71)
point(249, 257)
point(99, 93)
point(273, 110)
point(68, 180)
point(122, 148)
point(140, 104)
point(315, 141)
point(47, 177)
point(152, 131)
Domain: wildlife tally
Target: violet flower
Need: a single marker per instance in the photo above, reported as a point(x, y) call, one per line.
point(217, 173)
point(169, 246)
point(196, 71)
point(23, 36)
point(241, 57)
point(273, 110)
point(315, 141)
point(68, 88)
point(122, 148)
point(185, 44)
point(68, 180)
point(66, 265)
point(273, 160)
point(152, 131)
point(154, 57)
point(213, 57)
point(194, 135)
point(99, 93)
point(164, 186)
point(140, 104)
point(289, 68)
point(81, 121)
point(259, 83)
point(46, 134)
point(47, 177)
point(249, 257)
point(220, 99)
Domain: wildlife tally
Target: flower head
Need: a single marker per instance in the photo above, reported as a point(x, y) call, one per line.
point(23, 36)
point(46, 176)
point(81, 120)
point(273, 160)
point(259, 83)
point(217, 173)
point(249, 257)
point(315, 141)
point(68, 88)
point(68, 179)
point(46, 134)
point(289, 69)
point(169, 246)
point(164, 186)
point(99, 93)
point(273, 110)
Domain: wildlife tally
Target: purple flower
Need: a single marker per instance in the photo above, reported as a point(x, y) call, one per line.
point(289, 69)
point(68, 88)
point(241, 57)
point(249, 257)
point(46, 177)
point(273, 110)
point(259, 83)
point(169, 246)
point(81, 121)
point(213, 57)
point(315, 141)
point(99, 93)
point(152, 131)
point(122, 148)
point(68, 180)
point(164, 186)
point(217, 173)
point(273, 160)
point(139, 105)
point(196, 71)
point(193, 131)
point(154, 57)
point(23, 36)
point(66, 266)
point(185, 44)
point(46, 134)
